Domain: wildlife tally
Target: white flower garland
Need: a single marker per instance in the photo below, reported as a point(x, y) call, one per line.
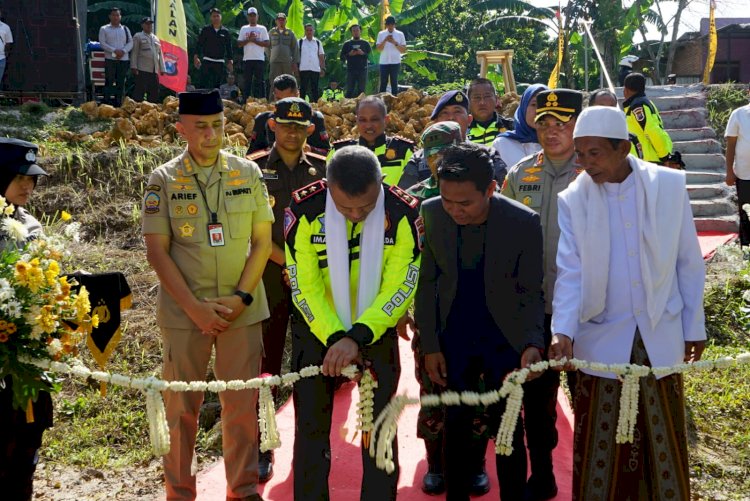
point(366, 405)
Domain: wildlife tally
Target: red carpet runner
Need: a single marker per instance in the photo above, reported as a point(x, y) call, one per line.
point(346, 466)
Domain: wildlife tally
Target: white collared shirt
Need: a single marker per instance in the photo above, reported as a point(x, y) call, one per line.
point(308, 54)
point(6, 37)
point(251, 51)
point(739, 127)
point(390, 54)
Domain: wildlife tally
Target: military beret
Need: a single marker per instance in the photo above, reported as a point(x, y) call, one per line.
point(19, 157)
point(562, 104)
point(440, 135)
point(200, 102)
point(450, 98)
point(293, 110)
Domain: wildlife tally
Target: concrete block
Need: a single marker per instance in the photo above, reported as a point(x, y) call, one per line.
point(692, 134)
point(698, 146)
point(684, 119)
point(715, 207)
point(707, 191)
point(704, 161)
point(727, 224)
point(686, 102)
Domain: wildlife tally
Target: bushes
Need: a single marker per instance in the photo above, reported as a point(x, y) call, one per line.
point(722, 100)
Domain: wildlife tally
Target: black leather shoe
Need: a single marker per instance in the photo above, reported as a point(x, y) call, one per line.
point(540, 490)
point(433, 483)
point(480, 483)
point(265, 466)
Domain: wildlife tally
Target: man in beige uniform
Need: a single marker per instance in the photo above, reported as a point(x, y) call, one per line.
point(200, 212)
point(284, 51)
point(535, 181)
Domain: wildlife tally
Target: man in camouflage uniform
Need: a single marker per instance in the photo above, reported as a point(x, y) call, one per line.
point(536, 181)
point(286, 168)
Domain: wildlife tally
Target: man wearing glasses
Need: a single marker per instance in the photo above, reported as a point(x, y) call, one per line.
point(535, 181)
point(487, 124)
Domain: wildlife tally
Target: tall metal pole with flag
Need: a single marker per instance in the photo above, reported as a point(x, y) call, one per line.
point(385, 11)
point(172, 31)
point(555, 75)
point(712, 44)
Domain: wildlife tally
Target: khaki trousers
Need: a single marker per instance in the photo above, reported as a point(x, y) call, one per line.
point(187, 353)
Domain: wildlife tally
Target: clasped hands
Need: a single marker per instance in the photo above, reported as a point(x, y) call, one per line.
point(214, 315)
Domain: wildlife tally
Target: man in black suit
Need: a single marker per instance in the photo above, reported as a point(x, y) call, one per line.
point(478, 306)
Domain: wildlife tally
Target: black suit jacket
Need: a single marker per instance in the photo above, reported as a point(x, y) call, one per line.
point(513, 270)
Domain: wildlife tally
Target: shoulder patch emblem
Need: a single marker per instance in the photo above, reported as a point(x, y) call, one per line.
point(308, 191)
point(153, 187)
point(638, 114)
point(409, 200)
point(289, 220)
point(539, 158)
point(530, 179)
point(151, 203)
point(419, 226)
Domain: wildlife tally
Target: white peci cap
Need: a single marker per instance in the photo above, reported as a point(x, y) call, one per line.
point(252, 10)
point(601, 121)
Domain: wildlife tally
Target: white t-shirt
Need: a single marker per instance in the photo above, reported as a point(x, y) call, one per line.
point(390, 54)
point(308, 54)
point(251, 51)
point(5, 37)
point(739, 127)
point(512, 152)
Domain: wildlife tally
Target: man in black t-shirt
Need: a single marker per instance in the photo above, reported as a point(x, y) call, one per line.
point(355, 52)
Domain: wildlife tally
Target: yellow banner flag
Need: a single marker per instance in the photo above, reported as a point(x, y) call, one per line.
point(385, 11)
point(172, 31)
point(555, 75)
point(712, 44)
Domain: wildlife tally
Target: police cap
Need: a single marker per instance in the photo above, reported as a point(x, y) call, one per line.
point(562, 104)
point(200, 102)
point(19, 157)
point(450, 98)
point(293, 110)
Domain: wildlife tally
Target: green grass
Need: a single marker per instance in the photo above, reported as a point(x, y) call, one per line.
point(722, 100)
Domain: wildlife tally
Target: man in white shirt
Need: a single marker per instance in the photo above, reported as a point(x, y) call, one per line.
point(738, 163)
point(6, 42)
point(392, 44)
point(629, 289)
point(253, 39)
point(117, 42)
point(312, 64)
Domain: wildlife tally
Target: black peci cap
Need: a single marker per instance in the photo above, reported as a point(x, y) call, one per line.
point(293, 110)
point(19, 157)
point(200, 102)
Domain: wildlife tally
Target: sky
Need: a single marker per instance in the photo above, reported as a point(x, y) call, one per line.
point(690, 19)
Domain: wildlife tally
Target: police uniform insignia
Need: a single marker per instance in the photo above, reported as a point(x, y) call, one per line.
point(530, 179)
point(181, 179)
point(322, 221)
point(539, 158)
point(289, 220)
point(526, 201)
point(638, 114)
point(409, 200)
point(258, 154)
point(552, 99)
point(343, 142)
point(234, 173)
point(419, 226)
point(186, 230)
point(459, 97)
point(390, 154)
point(307, 191)
point(271, 201)
point(153, 187)
point(237, 182)
point(152, 202)
point(312, 171)
point(270, 174)
point(30, 156)
point(532, 170)
point(312, 154)
point(294, 111)
point(178, 210)
point(192, 209)
point(180, 187)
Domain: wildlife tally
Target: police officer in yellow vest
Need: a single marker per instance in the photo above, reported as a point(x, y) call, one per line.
point(536, 181)
point(286, 168)
point(202, 211)
point(644, 120)
point(487, 123)
point(333, 93)
point(393, 152)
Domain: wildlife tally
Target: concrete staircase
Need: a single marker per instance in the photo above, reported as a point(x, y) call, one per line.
point(683, 110)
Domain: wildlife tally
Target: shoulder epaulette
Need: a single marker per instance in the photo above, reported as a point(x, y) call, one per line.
point(402, 139)
point(349, 141)
point(309, 191)
point(402, 195)
point(312, 154)
point(258, 154)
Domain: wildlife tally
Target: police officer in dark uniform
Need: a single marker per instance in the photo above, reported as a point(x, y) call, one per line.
point(286, 168)
point(487, 123)
point(262, 137)
point(393, 152)
point(19, 439)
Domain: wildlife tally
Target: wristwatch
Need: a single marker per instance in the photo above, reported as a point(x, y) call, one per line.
point(247, 298)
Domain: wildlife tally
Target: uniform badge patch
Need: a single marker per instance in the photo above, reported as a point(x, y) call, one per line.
point(271, 201)
point(419, 226)
point(186, 230)
point(312, 171)
point(270, 174)
point(178, 210)
point(151, 203)
point(390, 154)
point(530, 179)
point(289, 220)
point(638, 114)
point(322, 221)
point(192, 209)
point(153, 187)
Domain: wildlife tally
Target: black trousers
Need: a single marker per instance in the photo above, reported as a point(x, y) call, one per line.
point(115, 74)
point(146, 83)
point(743, 197)
point(213, 74)
point(275, 327)
point(356, 82)
point(309, 85)
point(253, 70)
point(389, 72)
point(313, 405)
point(466, 371)
point(540, 415)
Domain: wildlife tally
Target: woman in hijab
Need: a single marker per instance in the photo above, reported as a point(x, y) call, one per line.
point(513, 145)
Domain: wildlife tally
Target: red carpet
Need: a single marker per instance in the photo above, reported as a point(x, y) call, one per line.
point(346, 466)
point(712, 240)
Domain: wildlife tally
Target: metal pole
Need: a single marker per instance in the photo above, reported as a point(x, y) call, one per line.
point(586, 63)
point(602, 67)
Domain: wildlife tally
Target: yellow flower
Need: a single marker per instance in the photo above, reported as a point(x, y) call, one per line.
point(65, 216)
point(54, 266)
point(34, 262)
point(3, 325)
point(11, 328)
point(47, 319)
point(9, 210)
point(64, 286)
point(3, 337)
point(82, 304)
point(34, 279)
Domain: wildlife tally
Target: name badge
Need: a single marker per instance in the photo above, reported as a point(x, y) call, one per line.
point(215, 234)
